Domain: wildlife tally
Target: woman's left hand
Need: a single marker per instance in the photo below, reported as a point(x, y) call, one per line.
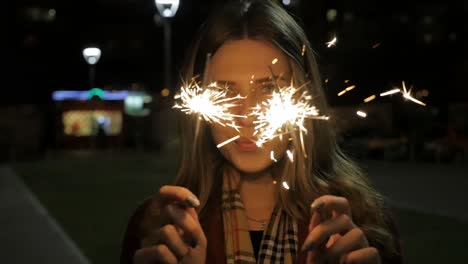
point(336, 239)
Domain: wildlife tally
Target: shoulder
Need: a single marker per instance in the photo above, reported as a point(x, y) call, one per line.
point(144, 218)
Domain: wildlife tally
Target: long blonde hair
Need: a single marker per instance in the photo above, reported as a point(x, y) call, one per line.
point(324, 169)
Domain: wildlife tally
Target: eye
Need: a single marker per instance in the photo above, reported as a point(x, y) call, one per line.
point(230, 90)
point(268, 87)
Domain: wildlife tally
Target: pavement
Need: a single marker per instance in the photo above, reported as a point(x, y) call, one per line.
point(28, 233)
point(31, 235)
point(440, 189)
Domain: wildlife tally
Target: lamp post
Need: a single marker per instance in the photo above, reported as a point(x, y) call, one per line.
point(92, 56)
point(167, 9)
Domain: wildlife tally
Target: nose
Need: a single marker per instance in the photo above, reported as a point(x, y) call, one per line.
point(245, 109)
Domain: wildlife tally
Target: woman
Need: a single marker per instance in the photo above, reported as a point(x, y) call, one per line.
point(227, 205)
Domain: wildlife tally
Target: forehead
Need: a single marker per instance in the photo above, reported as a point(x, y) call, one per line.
point(244, 58)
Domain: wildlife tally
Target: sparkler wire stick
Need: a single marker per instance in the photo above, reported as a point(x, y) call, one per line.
point(228, 141)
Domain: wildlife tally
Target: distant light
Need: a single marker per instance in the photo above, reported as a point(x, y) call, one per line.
point(326, 80)
point(135, 103)
point(92, 55)
point(427, 20)
point(274, 61)
point(86, 95)
point(404, 18)
point(428, 38)
point(167, 8)
point(331, 15)
point(346, 81)
point(96, 92)
point(361, 114)
point(165, 92)
point(453, 36)
point(348, 16)
point(52, 12)
point(286, 2)
point(285, 185)
point(274, 182)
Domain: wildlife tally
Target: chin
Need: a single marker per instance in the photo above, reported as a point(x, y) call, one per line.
point(251, 164)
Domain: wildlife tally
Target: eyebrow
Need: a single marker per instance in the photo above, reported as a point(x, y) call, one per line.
point(259, 80)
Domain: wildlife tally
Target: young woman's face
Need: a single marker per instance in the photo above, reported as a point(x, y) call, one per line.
point(243, 66)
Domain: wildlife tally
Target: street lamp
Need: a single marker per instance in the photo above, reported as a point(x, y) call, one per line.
point(167, 9)
point(92, 56)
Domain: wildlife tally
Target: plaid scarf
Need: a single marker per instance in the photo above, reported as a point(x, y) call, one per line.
point(279, 242)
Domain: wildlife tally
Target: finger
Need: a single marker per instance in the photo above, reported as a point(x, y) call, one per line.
point(314, 220)
point(320, 234)
point(169, 194)
point(333, 203)
point(169, 236)
point(369, 255)
point(353, 240)
point(155, 254)
point(190, 226)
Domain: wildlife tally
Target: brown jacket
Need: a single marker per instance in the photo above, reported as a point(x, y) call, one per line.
point(139, 225)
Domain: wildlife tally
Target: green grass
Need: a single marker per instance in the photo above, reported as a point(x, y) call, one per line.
point(93, 195)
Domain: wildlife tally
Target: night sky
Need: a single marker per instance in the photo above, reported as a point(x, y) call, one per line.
point(420, 42)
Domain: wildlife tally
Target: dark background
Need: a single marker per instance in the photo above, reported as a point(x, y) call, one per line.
point(416, 156)
point(421, 42)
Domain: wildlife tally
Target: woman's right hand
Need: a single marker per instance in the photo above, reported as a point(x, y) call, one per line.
point(180, 241)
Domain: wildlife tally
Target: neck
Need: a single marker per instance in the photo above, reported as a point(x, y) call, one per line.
point(256, 186)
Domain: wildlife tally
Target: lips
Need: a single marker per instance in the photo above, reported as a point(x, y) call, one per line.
point(246, 144)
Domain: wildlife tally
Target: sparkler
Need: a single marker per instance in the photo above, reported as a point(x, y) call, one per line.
point(283, 112)
point(361, 114)
point(407, 95)
point(331, 42)
point(393, 91)
point(290, 155)
point(370, 98)
point(272, 156)
point(347, 89)
point(211, 103)
point(227, 141)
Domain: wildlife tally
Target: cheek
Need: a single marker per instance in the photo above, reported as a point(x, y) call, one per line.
point(221, 134)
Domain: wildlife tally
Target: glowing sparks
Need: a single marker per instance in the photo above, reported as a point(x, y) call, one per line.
point(303, 50)
point(347, 89)
point(272, 156)
point(285, 185)
point(361, 114)
point(407, 95)
point(332, 42)
point(290, 155)
point(274, 61)
point(284, 112)
point(227, 141)
point(393, 91)
point(376, 45)
point(370, 98)
point(210, 103)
